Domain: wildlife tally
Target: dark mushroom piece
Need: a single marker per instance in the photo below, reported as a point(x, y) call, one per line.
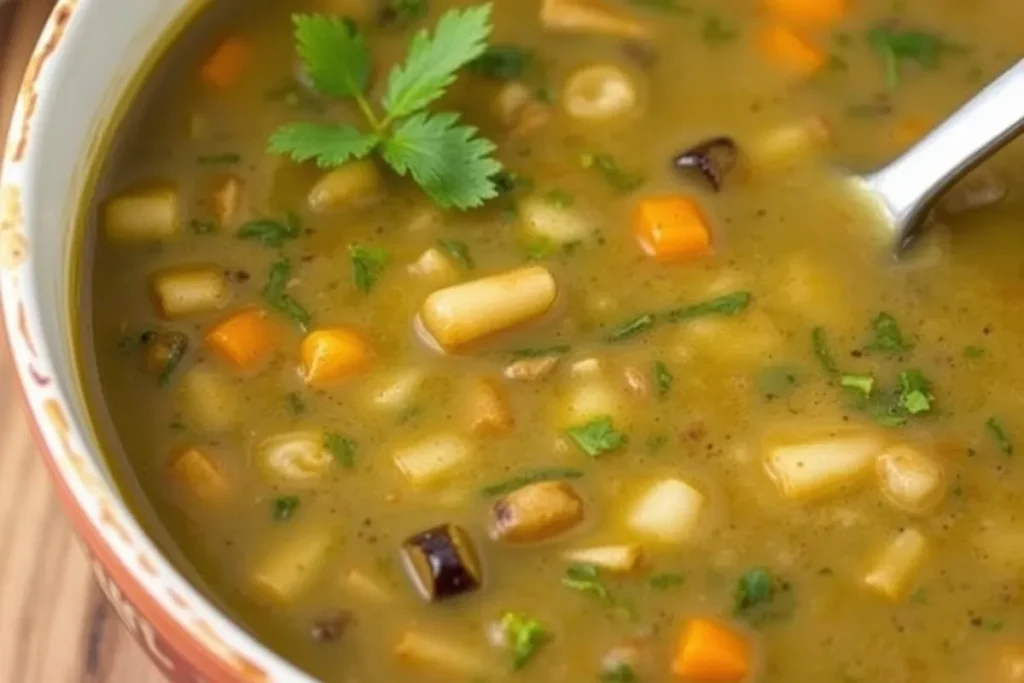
point(713, 159)
point(441, 562)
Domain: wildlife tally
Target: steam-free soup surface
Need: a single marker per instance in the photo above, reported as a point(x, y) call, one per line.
point(662, 408)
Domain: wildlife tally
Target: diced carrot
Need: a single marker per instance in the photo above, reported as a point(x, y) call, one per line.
point(246, 340)
point(791, 51)
point(711, 652)
point(331, 355)
point(671, 228)
point(808, 12)
point(224, 66)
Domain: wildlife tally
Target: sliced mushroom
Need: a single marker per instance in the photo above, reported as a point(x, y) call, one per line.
point(536, 512)
point(441, 562)
point(713, 159)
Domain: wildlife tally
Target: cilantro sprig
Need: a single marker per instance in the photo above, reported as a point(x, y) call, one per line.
point(448, 159)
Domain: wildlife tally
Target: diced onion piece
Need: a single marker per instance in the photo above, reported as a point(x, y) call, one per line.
point(433, 460)
point(472, 310)
point(146, 215)
point(246, 340)
point(197, 472)
point(291, 565)
point(294, 457)
point(436, 656)
point(536, 512)
point(589, 16)
point(897, 566)
point(818, 466)
point(332, 355)
point(434, 267)
point(549, 221)
point(182, 292)
point(599, 93)
point(788, 145)
point(909, 479)
point(357, 183)
point(371, 588)
point(667, 512)
point(488, 407)
point(614, 558)
point(396, 390)
point(209, 400)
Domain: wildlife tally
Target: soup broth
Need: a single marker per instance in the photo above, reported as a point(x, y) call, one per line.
point(665, 408)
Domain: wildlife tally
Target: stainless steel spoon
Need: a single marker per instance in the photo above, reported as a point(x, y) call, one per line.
point(909, 186)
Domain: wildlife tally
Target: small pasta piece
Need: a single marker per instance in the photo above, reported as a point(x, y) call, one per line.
point(600, 93)
point(209, 400)
point(433, 655)
point(145, 215)
point(897, 566)
point(536, 512)
point(818, 466)
point(434, 460)
point(910, 480)
point(472, 310)
point(294, 457)
point(434, 267)
point(246, 340)
point(184, 292)
point(546, 220)
point(589, 16)
point(488, 408)
point(357, 183)
point(198, 473)
point(620, 559)
point(291, 565)
point(332, 355)
point(668, 512)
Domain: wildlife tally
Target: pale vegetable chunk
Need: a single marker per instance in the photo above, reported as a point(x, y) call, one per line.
point(472, 310)
point(536, 512)
point(488, 407)
point(210, 400)
point(395, 391)
point(435, 268)
point(146, 215)
point(667, 512)
point(591, 399)
point(613, 558)
point(227, 201)
point(910, 480)
point(434, 655)
point(295, 457)
point(291, 565)
point(544, 219)
point(357, 183)
point(898, 565)
point(788, 145)
point(600, 93)
point(818, 466)
point(197, 472)
point(433, 460)
point(370, 588)
point(589, 16)
point(183, 292)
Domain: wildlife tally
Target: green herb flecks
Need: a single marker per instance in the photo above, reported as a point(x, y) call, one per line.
point(275, 295)
point(586, 579)
point(619, 179)
point(632, 327)
point(886, 335)
point(597, 437)
point(502, 62)
point(459, 251)
point(819, 341)
point(759, 597)
point(367, 265)
point(729, 304)
point(530, 477)
point(541, 351)
point(915, 392)
point(270, 232)
point(862, 383)
point(1000, 436)
point(448, 159)
point(663, 378)
point(284, 507)
point(896, 47)
point(974, 351)
point(524, 636)
point(342, 448)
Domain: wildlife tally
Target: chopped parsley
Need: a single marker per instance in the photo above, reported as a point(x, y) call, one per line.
point(502, 62)
point(886, 335)
point(999, 435)
point(819, 342)
point(729, 304)
point(862, 383)
point(283, 507)
point(367, 265)
point(176, 348)
point(275, 295)
point(663, 378)
point(530, 477)
point(270, 232)
point(619, 179)
point(632, 327)
point(524, 636)
point(896, 47)
point(915, 392)
point(597, 437)
point(343, 449)
point(459, 251)
point(756, 587)
point(585, 579)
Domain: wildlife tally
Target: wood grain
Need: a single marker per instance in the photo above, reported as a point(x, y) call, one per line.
point(55, 626)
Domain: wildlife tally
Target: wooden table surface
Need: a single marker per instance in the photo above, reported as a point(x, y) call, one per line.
point(55, 626)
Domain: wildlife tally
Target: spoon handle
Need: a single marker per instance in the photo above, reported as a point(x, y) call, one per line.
point(978, 129)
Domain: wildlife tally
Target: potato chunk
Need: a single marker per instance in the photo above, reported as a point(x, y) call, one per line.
point(433, 655)
point(210, 400)
point(909, 479)
point(820, 465)
point(146, 215)
point(433, 460)
point(613, 558)
point(489, 411)
point(536, 512)
point(198, 473)
point(897, 566)
point(667, 512)
point(290, 566)
point(182, 292)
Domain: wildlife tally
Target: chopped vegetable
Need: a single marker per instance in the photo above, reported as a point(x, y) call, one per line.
point(196, 471)
point(342, 448)
point(663, 379)
point(187, 291)
point(586, 579)
point(329, 356)
point(895, 569)
point(275, 295)
point(435, 267)
point(909, 479)
point(502, 62)
point(367, 265)
point(915, 392)
point(458, 251)
point(999, 435)
point(597, 94)
point(163, 353)
point(536, 512)
point(352, 184)
point(813, 466)
point(713, 159)
point(791, 51)
point(862, 383)
point(896, 46)
point(821, 349)
point(269, 232)
point(489, 409)
point(708, 651)
point(433, 460)
point(597, 437)
point(524, 636)
point(224, 67)
point(226, 201)
point(788, 145)
point(246, 340)
point(756, 587)
point(887, 335)
point(728, 304)
point(453, 165)
point(621, 180)
point(209, 399)
point(553, 221)
point(431, 654)
point(283, 507)
point(613, 558)
point(441, 562)
point(671, 228)
point(667, 512)
point(293, 457)
point(632, 327)
point(530, 477)
point(291, 565)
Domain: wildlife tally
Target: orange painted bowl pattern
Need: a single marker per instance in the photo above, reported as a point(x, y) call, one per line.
point(90, 55)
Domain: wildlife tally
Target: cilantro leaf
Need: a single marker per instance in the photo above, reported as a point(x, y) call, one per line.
point(821, 349)
point(502, 62)
point(327, 144)
point(999, 435)
point(342, 448)
point(367, 265)
point(432, 62)
point(449, 161)
point(270, 232)
point(458, 250)
point(862, 383)
point(631, 327)
point(887, 335)
point(597, 437)
point(663, 378)
point(621, 180)
point(728, 304)
point(524, 635)
point(584, 578)
point(275, 295)
point(895, 46)
point(333, 53)
point(915, 392)
point(283, 507)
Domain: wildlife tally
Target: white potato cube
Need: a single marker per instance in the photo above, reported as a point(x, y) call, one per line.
point(593, 399)
point(210, 400)
point(910, 480)
point(146, 215)
point(544, 219)
point(290, 566)
point(667, 512)
point(818, 466)
point(613, 558)
point(898, 565)
point(434, 460)
point(788, 145)
point(368, 587)
point(182, 292)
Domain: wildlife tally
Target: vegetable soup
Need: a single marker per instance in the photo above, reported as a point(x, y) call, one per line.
point(546, 341)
